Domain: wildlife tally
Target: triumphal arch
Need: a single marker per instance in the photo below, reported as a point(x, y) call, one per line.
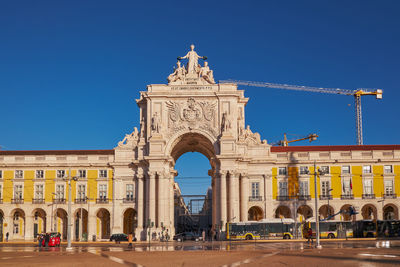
point(192, 113)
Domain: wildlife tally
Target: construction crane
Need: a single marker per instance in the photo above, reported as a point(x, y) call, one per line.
point(285, 142)
point(356, 93)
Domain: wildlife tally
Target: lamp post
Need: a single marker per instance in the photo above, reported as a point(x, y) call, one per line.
point(329, 196)
point(68, 179)
point(316, 204)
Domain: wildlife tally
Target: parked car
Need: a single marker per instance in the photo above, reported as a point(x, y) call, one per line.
point(119, 237)
point(55, 240)
point(187, 236)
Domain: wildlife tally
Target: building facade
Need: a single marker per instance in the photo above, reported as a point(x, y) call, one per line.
point(131, 187)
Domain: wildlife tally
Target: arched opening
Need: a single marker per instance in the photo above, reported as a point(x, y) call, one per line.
point(369, 212)
point(255, 214)
point(39, 222)
point(61, 222)
point(103, 223)
point(324, 212)
point(1, 225)
point(283, 212)
point(130, 221)
point(346, 216)
point(81, 224)
point(305, 212)
point(390, 212)
point(193, 187)
point(18, 222)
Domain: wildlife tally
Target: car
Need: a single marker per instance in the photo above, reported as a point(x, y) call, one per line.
point(54, 241)
point(119, 237)
point(186, 236)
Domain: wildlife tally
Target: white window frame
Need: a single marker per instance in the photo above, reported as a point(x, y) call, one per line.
point(325, 169)
point(128, 196)
point(392, 186)
point(283, 190)
point(79, 192)
point(304, 190)
point(324, 190)
point(39, 174)
point(390, 171)
point(58, 195)
point(19, 174)
point(367, 169)
point(1, 191)
point(101, 191)
point(255, 189)
point(21, 187)
point(36, 191)
point(346, 188)
point(304, 170)
point(82, 171)
point(346, 166)
point(371, 181)
point(284, 172)
point(103, 171)
point(59, 172)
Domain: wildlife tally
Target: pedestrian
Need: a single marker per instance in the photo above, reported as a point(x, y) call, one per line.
point(203, 235)
point(309, 232)
point(46, 240)
point(40, 240)
point(7, 236)
point(130, 237)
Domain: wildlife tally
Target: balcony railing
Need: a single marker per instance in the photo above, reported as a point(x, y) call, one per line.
point(80, 200)
point(59, 201)
point(129, 200)
point(368, 196)
point(325, 197)
point(347, 196)
point(392, 195)
point(282, 198)
point(255, 198)
point(17, 201)
point(304, 197)
point(38, 201)
point(102, 200)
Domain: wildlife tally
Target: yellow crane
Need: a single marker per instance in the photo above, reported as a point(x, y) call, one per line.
point(286, 142)
point(356, 93)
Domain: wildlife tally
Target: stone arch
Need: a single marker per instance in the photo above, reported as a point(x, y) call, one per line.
point(255, 213)
point(103, 225)
point(346, 212)
point(39, 221)
point(61, 222)
point(390, 212)
point(283, 211)
point(305, 211)
point(130, 220)
point(18, 223)
point(324, 211)
point(369, 212)
point(80, 234)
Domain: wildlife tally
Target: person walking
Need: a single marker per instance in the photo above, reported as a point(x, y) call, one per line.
point(130, 237)
point(40, 240)
point(46, 240)
point(203, 235)
point(309, 232)
point(7, 236)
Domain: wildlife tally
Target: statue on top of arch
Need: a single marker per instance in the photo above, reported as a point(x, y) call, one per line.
point(194, 73)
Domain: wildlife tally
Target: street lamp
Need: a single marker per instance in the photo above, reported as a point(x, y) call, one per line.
point(68, 179)
point(316, 202)
point(329, 196)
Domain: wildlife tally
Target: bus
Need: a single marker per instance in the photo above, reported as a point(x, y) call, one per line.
point(388, 228)
point(264, 229)
point(330, 229)
point(364, 228)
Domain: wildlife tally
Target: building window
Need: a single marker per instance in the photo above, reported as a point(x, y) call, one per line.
point(129, 191)
point(39, 174)
point(18, 192)
point(16, 223)
point(103, 191)
point(388, 187)
point(388, 169)
point(368, 187)
point(39, 191)
point(345, 169)
point(82, 173)
point(304, 170)
point(1, 174)
point(283, 189)
point(60, 173)
point(81, 191)
point(346, 187)
point(19, 174)
point(303, 188)
point(255, 189)
point(1, 192)
point(60, 191)
point(103, 173)
point(325, 186)
point(282, 171)
point(325, 169)
point(367, 169)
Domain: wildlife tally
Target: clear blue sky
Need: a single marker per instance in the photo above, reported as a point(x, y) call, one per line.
point(71, 70)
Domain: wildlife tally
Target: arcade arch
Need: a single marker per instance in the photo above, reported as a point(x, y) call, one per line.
point(369, 212)
point(283, 211)
point(346, 212)
point(81, 224)
point(18, 219)
point(130, 221)
point(390, 212)
point(39, 221)
point(103, 223)
point(326, 211)
point(305, 211)
point(255, 214)
point(61, 222)
point(1, 224)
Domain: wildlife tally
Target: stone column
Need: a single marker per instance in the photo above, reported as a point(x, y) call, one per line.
point(236, 197)
point(244, 197)
point(171, 206)
point(139, 205)
point(215, 202)
point(152, 197)
point(160, 199)
point(223, 200)
point(28, 227)
point(92, 224)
